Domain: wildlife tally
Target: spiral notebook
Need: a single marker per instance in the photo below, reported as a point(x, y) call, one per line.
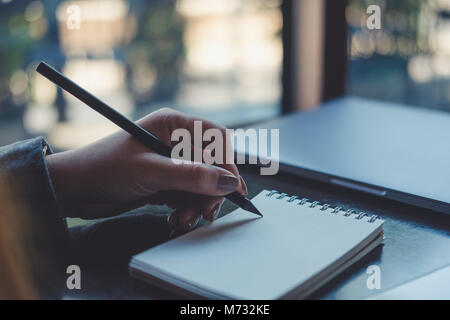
point(298, 246)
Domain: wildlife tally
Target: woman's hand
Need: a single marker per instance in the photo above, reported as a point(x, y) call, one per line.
point(117, 174)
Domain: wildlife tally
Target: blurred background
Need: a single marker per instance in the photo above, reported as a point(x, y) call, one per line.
point(408, 60)
point(232, 61)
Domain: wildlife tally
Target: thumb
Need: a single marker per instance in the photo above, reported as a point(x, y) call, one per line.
point(195, 177)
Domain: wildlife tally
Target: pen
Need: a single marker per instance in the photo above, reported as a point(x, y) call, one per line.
point(139, 133)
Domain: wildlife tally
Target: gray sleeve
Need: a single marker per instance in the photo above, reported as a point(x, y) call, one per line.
point(23, 167)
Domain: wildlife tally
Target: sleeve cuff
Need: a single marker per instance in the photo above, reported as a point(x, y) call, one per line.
point(24, 169)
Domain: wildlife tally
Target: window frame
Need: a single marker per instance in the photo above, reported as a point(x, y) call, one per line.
point(334, 54)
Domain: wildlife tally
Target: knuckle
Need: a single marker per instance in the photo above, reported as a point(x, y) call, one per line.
point(170, 118)
point(199, 176)
point(166, 110)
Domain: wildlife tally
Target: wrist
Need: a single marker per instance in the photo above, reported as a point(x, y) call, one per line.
point(65, 178)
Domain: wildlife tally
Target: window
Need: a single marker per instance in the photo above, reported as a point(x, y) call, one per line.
point(219, 59)
point(408, 59)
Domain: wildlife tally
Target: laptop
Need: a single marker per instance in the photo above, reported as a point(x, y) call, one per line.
point(392, 151)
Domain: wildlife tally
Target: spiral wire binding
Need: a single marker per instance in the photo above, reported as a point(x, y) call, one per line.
point(324, 207)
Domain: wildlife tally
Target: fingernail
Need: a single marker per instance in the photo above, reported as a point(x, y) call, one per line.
point(214, 212)
point(227, 183)
point(244, 186)
point(171, 221)
point(217, 211)
point(194, 223)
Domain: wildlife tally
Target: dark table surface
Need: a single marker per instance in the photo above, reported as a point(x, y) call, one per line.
point(417, 242)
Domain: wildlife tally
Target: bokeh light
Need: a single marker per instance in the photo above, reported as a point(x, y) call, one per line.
point(212, 58)
point(408, 59)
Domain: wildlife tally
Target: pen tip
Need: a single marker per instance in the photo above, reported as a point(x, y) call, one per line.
point(253, 209)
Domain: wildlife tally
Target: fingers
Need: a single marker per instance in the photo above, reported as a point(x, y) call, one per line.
point(184, 219)
point(166, 120)
point(242, 189)
point(211, 209)
point(198, 178)
point(188, 218)
point(169, 120)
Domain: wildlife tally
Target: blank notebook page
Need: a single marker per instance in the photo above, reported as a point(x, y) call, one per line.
point(243, 256)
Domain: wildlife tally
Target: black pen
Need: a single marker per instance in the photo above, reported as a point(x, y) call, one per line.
point(142, 135)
